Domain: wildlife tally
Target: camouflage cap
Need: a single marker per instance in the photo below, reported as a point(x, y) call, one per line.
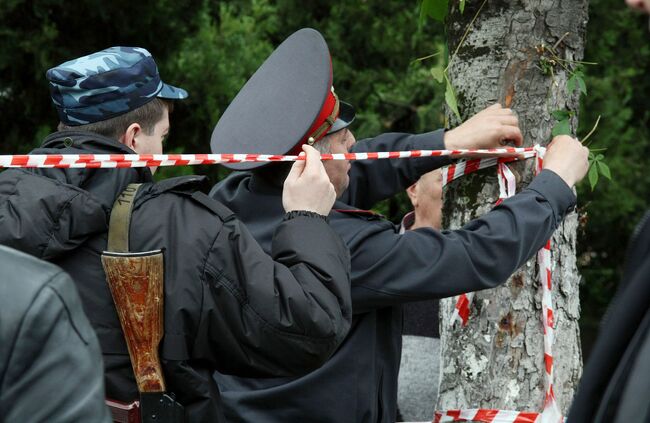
point(106, 84)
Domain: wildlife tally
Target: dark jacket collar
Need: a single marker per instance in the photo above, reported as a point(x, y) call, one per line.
point(83, 142)
point(54, 210)
point(86, 141)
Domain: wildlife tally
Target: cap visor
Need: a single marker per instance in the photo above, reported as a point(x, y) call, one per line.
point(346, 117)
point(172, 93)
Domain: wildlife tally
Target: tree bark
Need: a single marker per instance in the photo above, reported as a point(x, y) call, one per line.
point(496, 361)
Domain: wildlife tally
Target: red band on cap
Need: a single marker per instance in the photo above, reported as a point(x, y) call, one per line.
point(325, 112)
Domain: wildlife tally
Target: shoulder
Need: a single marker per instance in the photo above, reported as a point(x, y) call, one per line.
point(350, 212)
point(234, 189)
point(32, 295)
point(186, 191)
point(27, 277)
point(357, 224)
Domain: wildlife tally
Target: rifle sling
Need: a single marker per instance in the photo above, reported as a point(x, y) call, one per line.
point(118, 228)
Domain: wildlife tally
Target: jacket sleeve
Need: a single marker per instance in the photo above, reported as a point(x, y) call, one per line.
point(375, 180)
point(389, 268)
point(55, 371)
point(278, 315)
point(45, 217)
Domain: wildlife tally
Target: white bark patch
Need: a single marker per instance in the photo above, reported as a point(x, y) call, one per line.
point(512, 390)
point(475, 363)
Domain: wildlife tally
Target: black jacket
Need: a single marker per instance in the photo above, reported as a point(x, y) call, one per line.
point(228, 305)
point(50, 362)
point(359, 383)
point(615, 385)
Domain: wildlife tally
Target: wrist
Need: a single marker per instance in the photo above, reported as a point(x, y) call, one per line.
point(450, 141)
point(567, 179)
point(305, 213)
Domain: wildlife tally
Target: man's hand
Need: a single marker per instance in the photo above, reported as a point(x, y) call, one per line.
point(307, 186)
point(568, 158)
point(492, 127)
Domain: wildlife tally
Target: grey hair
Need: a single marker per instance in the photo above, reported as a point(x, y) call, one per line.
point(324, 145)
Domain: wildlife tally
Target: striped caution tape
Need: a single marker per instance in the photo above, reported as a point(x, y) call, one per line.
point(551, 412)
point(486, 415)
point(497, 156)
point(507, 187)
point(144, 160)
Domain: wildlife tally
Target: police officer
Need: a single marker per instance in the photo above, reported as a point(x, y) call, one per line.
point(229, 306)
point(358, 384)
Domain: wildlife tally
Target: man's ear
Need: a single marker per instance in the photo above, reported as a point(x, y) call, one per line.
point(413, 195)
point(129, 136)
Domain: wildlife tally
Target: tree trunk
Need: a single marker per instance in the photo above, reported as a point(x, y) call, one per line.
point(496, 361)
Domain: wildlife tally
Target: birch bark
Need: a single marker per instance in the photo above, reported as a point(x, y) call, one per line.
point(496, 361)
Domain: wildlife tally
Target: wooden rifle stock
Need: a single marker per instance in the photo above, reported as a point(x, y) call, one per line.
point(136, 281)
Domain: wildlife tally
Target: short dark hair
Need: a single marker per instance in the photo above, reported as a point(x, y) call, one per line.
point(147, 116)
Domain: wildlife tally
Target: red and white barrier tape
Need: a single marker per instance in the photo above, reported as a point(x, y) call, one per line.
point(500, 156)
point(456, 170)
point(507, 186)
point(486, 415)
point(144, 160)
point(551, 412)
point(462, 309)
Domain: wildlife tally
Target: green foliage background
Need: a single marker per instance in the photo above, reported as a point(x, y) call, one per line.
point(211, 48)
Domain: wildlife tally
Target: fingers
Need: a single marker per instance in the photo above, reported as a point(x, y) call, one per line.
point(297, 169)
point(567, 157)
point(510, 119)
point(562, 138)
point(313, 165)
point(505, 116)
point(512, 134)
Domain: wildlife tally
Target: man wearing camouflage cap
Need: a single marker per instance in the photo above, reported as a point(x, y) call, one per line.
point(228, 306)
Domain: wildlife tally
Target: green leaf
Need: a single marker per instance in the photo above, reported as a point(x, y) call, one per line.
point(438, 74)
point(436, 9)
point(462, 6)
point(593, 176)
point(450, 99)
point(571, 84)
point(599, 156)
point(561, 128)
point(581, 85)
point(560, 114)
point(604, 170)
point(577, 78)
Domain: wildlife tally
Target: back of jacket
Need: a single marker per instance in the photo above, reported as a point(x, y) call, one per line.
point(50, 361)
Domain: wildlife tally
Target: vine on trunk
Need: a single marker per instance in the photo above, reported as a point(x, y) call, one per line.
point(548, 61)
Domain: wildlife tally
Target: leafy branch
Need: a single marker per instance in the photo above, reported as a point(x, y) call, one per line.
point(548, 61)
point(597, 166)
point(437, 9)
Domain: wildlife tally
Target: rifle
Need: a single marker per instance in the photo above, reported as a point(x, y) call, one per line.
point(136, 281)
